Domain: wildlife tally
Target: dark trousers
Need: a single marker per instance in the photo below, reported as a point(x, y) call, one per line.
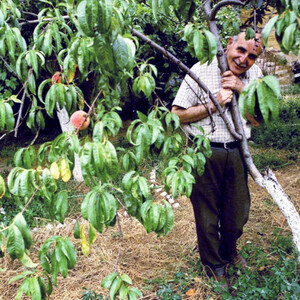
point(221, 203)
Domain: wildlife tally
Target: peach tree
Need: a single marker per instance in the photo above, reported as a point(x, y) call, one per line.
point(53, 49)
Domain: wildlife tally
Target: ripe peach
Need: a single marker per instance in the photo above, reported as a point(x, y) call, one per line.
point(56, 78)
point(80, 120)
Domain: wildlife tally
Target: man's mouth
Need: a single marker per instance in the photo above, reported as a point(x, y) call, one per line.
point(239, 64)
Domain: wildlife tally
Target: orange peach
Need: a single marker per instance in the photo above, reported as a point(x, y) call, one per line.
point(80, 120)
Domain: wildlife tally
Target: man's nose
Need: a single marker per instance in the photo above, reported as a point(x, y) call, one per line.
point(243, 58)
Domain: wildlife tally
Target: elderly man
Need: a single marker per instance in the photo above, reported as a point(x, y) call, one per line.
point(220, 197)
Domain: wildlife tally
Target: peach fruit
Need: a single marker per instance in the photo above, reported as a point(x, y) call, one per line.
point(80, 120)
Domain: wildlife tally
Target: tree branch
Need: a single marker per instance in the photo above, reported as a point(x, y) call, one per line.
point(192, 75)
point(20, 112)
point(221, 4)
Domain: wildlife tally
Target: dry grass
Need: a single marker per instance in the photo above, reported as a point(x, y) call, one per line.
point(144, 256)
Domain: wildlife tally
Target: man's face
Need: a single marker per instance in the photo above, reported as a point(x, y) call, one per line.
point(241, 55)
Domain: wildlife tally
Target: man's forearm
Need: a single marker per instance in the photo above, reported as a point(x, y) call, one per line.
point(193, 113)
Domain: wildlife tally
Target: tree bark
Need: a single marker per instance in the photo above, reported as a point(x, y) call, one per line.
point(65, 125)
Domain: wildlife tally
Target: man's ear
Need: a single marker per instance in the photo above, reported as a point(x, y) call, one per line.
point(230, 41)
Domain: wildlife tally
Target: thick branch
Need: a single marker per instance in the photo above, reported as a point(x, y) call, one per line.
point(236, 116)
point(221, 4)
point(192, 75)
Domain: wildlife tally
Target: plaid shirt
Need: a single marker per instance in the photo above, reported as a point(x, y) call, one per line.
point(190, 94)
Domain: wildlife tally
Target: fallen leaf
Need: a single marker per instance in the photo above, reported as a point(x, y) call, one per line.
point(190, 292)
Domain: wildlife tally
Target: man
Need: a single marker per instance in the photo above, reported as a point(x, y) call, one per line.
point(220, 197)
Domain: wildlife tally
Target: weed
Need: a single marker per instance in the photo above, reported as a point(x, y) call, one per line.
point(88, 294)
point(285, 132)
point(282, 61)
point(267, 159)
point(293, 89)
point(273, 274)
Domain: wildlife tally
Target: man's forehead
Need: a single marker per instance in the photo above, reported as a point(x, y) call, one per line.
point(251, 45)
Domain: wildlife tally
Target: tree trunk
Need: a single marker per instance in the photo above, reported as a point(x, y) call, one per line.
point(65, 125)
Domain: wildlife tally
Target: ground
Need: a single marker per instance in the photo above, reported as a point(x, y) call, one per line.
point(145, 257)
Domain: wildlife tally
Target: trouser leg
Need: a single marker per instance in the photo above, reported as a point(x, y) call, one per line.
point(235, 203)
point(206, 197)
point(221, 203)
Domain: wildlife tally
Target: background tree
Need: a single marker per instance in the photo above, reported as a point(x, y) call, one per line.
point(72, 55)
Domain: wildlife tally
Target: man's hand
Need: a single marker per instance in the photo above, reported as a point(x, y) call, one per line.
point(231, 81)
point(224, 96)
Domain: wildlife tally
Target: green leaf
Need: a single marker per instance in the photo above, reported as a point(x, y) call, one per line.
point(273, 83)
point(155, 216)
point(34, 61)
point(145, 208)
point(83, 19)
point(104, 54)
point(123, 292)
point(188, 159)
point(250, 101)
point(133, 293)
point(262, 95)
point(267, 30)
point(27, 262)
point(115, 287)
point(2, 115)
point(61, 261)
point(144, 186)
point(54, 268)
point(23, 288)
point(92, 234)
point(169, 218)
point(120, 51)
point(250, 33)
point(20, 222)
point(61, 205)
point(21, 276)
point(9, 117)
point(198, 44)
point(105, 15)
point(108, 280)
point(42, 287)
point(126, 278)
point(11, 44)
point(31, 83)
point(212, 45)
point(50, 101)
point(34, 289)
point(86, 155)
point(15, 243)
point(289, 37)
point(76, 233)
point(72, 257)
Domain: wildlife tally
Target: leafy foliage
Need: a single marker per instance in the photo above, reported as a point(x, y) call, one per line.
point(82, 55)
point(283, 133)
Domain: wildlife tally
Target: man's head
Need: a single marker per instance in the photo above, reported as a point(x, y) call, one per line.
point(241, 53)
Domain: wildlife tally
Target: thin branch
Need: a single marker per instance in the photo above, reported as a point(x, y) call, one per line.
point(221, 4)
point(120, 245)
point(193, 76)
point(38, 188)
point(43, 20)
point(20, 113)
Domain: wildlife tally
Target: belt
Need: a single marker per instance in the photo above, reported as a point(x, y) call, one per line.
point(228, 145)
